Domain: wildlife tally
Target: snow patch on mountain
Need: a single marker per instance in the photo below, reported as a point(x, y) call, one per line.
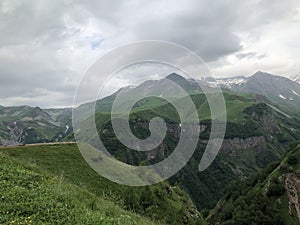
point(296, 93)
point(296, 78)
point(67, 128)
point(281, 96)
point(225, 82)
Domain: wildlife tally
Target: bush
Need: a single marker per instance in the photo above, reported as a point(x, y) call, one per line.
point(292, 160)
point(276, 190)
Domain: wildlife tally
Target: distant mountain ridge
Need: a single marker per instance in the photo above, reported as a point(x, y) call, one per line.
point(281, 90)
point(26, 124)
point(51, 124)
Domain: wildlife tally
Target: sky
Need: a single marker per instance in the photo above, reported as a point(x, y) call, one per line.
point(46, 47)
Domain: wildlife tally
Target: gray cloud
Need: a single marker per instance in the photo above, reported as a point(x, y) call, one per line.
point(46, 46)
point(205, 28)
point(242, 55)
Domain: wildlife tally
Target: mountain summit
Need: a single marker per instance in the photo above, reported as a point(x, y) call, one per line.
point(281, 90)
point(175, 76)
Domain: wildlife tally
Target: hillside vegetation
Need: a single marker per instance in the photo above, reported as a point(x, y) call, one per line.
point(25, 124)
point(269, 197)
point(54, 185)
point(256, 135)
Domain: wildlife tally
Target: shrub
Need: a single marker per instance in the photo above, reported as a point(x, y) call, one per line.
point(292, 160)
point(276, 190)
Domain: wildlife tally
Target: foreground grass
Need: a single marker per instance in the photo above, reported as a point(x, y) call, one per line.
point(54, 185)
point(28, 197)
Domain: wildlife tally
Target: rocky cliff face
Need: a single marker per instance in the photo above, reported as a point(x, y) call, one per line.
point(230, 146)
point(173, 130)
point(259, 149)
point(239, 148)
point(292, 187)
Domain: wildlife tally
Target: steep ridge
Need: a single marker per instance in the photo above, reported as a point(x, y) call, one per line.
point(269, 197)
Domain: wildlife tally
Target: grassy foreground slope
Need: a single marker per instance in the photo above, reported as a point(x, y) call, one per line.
point(54, 185)
point(28, 197)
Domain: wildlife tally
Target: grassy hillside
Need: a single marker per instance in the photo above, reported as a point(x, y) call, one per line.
point(235, 105)
point(270, 197)
point(29, 197)
point(54, 185)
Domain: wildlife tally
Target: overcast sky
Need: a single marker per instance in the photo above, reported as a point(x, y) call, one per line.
point(47, 46)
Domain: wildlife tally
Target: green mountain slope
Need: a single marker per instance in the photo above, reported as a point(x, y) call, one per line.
point(54, 185)
point(29, 197)
point(25, 124)
point(256, 135)
point(270, 197)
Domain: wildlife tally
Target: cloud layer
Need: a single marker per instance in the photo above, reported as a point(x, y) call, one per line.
point(47, 46)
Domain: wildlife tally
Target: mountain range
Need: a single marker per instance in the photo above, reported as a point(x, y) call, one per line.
point(280, 90)
point(25, 124)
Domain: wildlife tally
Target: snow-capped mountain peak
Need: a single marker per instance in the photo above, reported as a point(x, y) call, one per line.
point(296, 78)
point(225, 82)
